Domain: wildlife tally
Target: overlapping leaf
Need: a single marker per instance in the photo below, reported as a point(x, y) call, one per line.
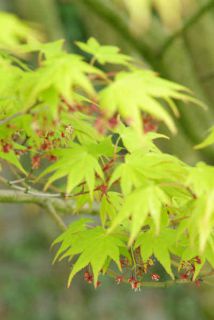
point(138, 206)
point(159, 245)
point(133, 92)
point(78, 164)
point(92, 246)
point(104, 54)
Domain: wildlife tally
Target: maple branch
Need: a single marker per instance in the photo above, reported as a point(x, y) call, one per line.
point(52, 211)
point(189, 23)
point(43, 200)
point(161, 284)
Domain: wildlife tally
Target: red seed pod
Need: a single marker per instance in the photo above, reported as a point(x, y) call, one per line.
point(198, 283)
point(20, 152)
point(198, 259)
point(50, 134)
point(100, 125)
point(155, 277)
point(46, 145)
point(192, 270)
point(36, 162)
point(132, 279)
point(113, 122)
point(135, 285)
point(124, 263)
point(184, 276)
point(119, 279)
point(98, 284)
point(51, 157)
point(94, 108)
point(103, 188)
point(88, 277)
point(6, 147)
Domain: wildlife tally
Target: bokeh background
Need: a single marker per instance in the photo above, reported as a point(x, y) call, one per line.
point(173, 37)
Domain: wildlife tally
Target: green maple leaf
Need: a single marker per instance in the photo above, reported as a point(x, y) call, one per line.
point(78, 163)
point(141, 90)
point(104, 54)
point(135, 142)
point(92, 246)
point(142, 167)
point(137, 206)
point(159, 245)
point(58, 76)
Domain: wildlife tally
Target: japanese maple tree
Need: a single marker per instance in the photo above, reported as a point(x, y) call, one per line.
point(77, 135)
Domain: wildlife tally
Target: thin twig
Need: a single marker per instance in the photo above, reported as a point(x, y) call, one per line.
point(59, 222)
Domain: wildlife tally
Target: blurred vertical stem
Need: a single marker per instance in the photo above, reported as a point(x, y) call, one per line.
point(43, 12)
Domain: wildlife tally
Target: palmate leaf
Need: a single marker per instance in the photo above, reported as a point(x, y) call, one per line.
point(159, 245)
point(104, 54)
point(141, 90)
point(137, 206)
point(58, 76)
point(92, 246)
point(141, 168)
point(78, 164)
point(135, 142)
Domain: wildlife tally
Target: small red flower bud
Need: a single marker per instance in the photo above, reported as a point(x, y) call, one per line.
point(100, 125)
point(98, 284)
point(198, 283)
point(119, 279)
point(51, 157)
point(113, 122)
point(103, 188)
point(124, 263)
point(132, 279)
point(88, 277)
point(198, 259)
point(46, 145)
point(50, 134)
point(135, 285)
point(155, 277)
point(36, 162)
point(6, 147)
point(184, 276)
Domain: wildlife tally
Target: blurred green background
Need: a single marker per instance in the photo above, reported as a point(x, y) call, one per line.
point(173, 37)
